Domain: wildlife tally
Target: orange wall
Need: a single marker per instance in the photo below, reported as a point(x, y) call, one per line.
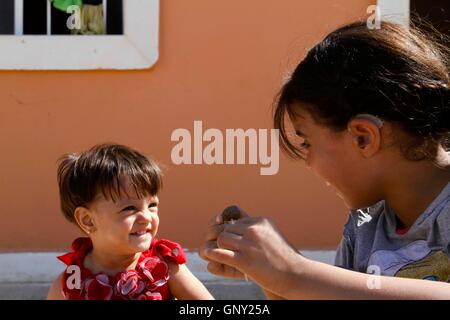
point(221, 62)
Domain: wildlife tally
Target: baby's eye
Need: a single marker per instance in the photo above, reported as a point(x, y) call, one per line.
point(129, 208)
point(152, 205)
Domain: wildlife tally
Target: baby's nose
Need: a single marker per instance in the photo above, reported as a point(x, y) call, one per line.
point(147, 215)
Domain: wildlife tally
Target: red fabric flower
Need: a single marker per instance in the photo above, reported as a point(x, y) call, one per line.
point(130, 284)
point(171, 250)
point(149, 281)
point(80, 247)
point(150, 296)
point(98, 288)
point(156, 272)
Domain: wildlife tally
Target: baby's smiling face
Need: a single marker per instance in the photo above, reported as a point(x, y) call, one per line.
point(126, 225)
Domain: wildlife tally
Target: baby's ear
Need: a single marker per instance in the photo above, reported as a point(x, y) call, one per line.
point(83, 217)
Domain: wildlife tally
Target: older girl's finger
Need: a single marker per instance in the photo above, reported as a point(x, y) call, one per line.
point(238, 227)
point(217, 219)
point(223, 256)
point(207, 246)
point(230, 241)
point(213, 231)
point(224, 271)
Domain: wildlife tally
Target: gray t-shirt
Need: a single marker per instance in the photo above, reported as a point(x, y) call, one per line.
point(372, 244)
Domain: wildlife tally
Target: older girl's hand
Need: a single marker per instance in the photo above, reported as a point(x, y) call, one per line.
point(250, 246)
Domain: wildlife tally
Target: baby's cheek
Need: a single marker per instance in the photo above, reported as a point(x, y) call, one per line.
point(124, 227)
point(155, 225)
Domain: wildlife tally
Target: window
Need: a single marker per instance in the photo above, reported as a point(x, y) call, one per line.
point(110, 34)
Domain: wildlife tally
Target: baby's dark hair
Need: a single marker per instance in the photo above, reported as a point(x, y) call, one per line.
point(396, 73)
point(82, 176)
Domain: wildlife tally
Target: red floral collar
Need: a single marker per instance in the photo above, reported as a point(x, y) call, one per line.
point(149, 280)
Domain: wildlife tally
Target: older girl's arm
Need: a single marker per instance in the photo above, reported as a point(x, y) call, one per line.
point(316, 280)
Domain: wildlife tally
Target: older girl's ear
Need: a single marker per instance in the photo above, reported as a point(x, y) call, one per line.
point(366, 136)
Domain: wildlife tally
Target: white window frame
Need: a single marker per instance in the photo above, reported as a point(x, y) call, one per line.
point(395, 11)
point(137, 48)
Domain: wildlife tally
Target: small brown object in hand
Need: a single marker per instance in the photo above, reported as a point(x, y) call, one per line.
point(231, 214)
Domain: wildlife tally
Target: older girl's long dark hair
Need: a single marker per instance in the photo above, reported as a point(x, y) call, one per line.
point(396, 73)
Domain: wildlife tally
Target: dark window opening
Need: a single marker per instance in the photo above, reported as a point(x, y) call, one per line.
point(115, 16)
point(6, 16)
point(35, 17)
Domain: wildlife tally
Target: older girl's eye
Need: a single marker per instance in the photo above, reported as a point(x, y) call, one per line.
point(305, 145)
